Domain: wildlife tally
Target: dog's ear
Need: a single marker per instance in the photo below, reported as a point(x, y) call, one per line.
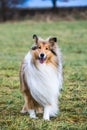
point(53, 45)
point(52, 41)
point(35, 38)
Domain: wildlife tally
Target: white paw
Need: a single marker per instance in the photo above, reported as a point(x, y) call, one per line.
point(33, 116)
point(32, 113)
point(46, 118)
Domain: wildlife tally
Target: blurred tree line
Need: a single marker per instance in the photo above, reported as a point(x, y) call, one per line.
point(6, 4)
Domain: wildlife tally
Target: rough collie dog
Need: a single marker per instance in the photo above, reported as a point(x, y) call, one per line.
point(41, 78)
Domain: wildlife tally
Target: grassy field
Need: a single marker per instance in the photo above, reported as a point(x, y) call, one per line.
point(15, 41)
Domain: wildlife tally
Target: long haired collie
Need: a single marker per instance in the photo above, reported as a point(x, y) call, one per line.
point(41, 78)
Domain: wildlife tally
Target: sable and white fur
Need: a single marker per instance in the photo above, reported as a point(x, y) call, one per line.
point(40, 83)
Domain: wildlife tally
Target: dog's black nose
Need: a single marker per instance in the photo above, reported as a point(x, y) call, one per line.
point(42, 55)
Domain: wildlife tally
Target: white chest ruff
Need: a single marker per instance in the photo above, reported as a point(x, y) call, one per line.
point(43, 81)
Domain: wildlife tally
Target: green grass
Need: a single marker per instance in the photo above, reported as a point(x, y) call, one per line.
point(15, 41)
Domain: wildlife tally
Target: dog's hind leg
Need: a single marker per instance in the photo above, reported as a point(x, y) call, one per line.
point(29, 104)
point(24, 109)
point(29, 101)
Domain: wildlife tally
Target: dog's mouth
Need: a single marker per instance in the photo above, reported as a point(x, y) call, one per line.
point(42, 60)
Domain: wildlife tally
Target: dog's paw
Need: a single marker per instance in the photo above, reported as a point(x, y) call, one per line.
point(33, 116)
point(46, 118)
point(32, 113)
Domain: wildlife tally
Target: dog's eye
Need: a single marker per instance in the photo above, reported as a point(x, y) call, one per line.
point(39, 47)
point(46, 48)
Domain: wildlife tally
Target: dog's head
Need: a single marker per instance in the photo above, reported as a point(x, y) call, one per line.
point(44, 50)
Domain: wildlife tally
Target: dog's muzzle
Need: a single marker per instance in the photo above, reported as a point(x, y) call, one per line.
point(42, 57)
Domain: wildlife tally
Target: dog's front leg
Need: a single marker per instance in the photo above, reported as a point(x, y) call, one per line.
point(46, 114)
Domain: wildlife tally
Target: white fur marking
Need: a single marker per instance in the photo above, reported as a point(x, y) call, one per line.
point(46, 115)
point(32, 113)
